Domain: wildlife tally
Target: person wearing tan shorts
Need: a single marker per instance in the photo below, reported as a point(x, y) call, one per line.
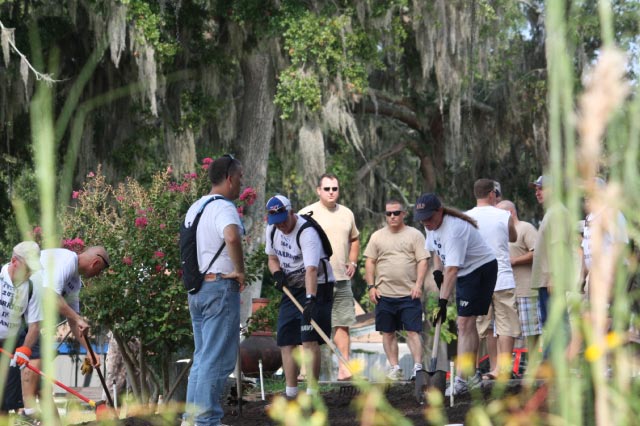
point(497, 228)
point(339, 224)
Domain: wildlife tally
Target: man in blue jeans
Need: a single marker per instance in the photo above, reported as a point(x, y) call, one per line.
point(215, 308)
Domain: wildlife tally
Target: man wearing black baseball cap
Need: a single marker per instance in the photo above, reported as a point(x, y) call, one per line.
point(468, 264)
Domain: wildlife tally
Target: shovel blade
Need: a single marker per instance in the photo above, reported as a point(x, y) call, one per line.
point(437, 380)
point(421, 384)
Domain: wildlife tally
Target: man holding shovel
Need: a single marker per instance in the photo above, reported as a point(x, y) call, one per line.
point(62, 278)
point(299, 262)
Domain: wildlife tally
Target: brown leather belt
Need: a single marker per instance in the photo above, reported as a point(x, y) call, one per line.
point(211, 277)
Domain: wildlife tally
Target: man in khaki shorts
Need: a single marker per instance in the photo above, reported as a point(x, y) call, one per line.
point(497, 228)
point(339, 224)
point(521, 253)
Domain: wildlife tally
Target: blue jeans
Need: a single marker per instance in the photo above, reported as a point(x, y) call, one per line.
point(215, 316)
point(543, 300)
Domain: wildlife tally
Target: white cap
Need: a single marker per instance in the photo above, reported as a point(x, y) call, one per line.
point(29, 251)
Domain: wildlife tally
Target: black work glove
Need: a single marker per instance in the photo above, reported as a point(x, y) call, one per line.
point(309, 309)
point(280, 279)
point(441, 313)
point(438, 277)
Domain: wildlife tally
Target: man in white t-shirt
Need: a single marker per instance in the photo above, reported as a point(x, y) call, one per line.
point(215, 308)
point(19, 298)
point(340, 226)
point(466, 262)
point(501, 325)
point(298, 261)
point(61, 278)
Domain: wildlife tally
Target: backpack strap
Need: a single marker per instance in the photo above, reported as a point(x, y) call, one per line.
point(224, 243)
point(324, 259)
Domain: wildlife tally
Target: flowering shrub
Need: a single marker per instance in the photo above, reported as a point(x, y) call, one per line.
point(141, 295)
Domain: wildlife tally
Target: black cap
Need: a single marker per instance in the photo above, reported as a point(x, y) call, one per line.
point(426, 206)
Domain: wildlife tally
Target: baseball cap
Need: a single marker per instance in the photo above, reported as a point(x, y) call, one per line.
point(539, 183)
point(426, 206)
point(497, 188)
point(29, 251)
point(278, 208)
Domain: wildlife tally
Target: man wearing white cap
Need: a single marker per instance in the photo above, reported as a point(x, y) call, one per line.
point(17, 302)
point(298, 260)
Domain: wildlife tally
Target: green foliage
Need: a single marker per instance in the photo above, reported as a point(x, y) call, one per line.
point(323, 47)
point(152, 25)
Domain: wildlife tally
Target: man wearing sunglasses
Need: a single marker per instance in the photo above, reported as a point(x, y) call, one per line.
point(340, 226)
point(395, 269)
point(297, 260)
point(17, 303)
point(61, 277)
point(215, 308)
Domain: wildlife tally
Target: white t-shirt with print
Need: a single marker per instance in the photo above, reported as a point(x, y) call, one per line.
point(216, 216)
point(61, 274)
point(293, 258)
point(15, 302)
point(493, 225)
point(459, 244)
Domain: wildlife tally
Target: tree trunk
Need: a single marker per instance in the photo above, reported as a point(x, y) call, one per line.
point(256, 132)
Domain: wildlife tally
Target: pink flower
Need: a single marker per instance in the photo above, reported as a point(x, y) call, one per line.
point(158, 254)
point(206, 162)
point(249, 196)
point(162, 226)
point(37, 231)
point(240, 210)
point(169, 170)
point(141, 222)
point(158, 268)
point(75, 244)
point(91, 174)
point(189, 176)
point(120, 198)
point(127, 260)
point(75, 194)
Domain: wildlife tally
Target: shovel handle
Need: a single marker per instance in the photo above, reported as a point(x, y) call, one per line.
point(434, 350)
point(56, 382)
point(318, 330)
point(104, 383)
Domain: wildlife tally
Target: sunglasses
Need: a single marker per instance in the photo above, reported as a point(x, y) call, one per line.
point(393, 213)
point(231, 158)
point(278, 210)
point(330, 188)
point(106, 264)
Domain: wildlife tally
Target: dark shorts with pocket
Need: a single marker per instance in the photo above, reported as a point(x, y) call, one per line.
point(474, 291)
point(292, 328)
point(398, 313)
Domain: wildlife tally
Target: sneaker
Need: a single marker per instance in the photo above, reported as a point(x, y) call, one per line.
point(414, 372)
point(395, 374)
point(459, 387)
point(26, 420)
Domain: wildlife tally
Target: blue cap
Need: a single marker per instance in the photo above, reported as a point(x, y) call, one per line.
point(426, 206)
point(278, 208)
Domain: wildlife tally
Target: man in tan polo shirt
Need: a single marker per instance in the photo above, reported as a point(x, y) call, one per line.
point(395, 269)
point(339, 224)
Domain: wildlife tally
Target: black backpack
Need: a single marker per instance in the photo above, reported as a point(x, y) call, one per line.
point(326, 244)
point(191, 276)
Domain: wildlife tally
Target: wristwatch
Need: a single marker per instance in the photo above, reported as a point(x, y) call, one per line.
point(369, 287)
point(355, 264)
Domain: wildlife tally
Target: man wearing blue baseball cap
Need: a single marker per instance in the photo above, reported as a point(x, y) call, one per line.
point(298, 260)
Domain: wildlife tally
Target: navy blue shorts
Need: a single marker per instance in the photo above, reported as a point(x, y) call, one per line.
point(474, 291)
point(398, 313)
point(12, 396)
point(35, 349)
point(292, 328)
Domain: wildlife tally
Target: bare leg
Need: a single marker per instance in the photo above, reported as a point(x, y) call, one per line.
point(312, 349)
point(415, 346)
point(492, 349)
point(390, 345)
point(468, 342)
point(289, 365)
point(505, 350)
point(343, 342)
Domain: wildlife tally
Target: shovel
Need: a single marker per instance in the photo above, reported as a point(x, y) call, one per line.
point(431, 378)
